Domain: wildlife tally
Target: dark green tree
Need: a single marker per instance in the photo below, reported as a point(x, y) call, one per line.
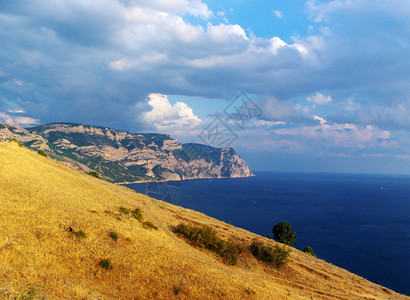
point(309, 250)
point(42, 153)
point(94, 174)
point(283, 233)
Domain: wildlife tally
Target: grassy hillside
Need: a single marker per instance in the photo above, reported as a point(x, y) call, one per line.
point(57, 225)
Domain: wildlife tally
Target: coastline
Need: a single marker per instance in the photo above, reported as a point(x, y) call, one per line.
point(190, 178)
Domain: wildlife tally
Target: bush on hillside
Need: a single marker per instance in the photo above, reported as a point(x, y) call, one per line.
point(206, 237)
point(42, 153)
point(114, 235)
point(94, 174)
point(137, 214)
point(150, 225)
point(309, 250)
point(106, 264)
point(273, 255)
point(80, 234)
point(124, 210)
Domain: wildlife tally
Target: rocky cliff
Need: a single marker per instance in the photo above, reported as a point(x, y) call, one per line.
point(120, 156)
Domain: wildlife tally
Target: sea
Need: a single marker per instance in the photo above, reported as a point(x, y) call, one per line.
point(358, 222)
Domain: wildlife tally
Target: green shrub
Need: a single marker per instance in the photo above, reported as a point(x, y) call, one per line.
point(149, 224)
point(16, 141)
point(80, 234)
point(28, 293)
point(124, 210)
point(275, 255)
point(42, 153)
point(113, 235)
point(207, 237)
point(94, 174)
point(137, 214)
point(229, 258)
point(177, 290)
point(309, 250)
point(283, 233)
point(106, 264)
point(200, 236)
point(249, 292)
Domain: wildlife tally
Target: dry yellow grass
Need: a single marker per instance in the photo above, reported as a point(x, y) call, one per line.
point(41, 199)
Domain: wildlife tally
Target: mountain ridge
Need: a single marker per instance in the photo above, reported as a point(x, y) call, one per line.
point(123, 157)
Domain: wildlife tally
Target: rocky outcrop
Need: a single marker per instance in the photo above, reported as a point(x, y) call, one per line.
point(120, 156)
point(24, 136)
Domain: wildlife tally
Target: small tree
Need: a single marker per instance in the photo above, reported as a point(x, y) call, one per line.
point(94, 174)
point(283, 233)
point(42, 153)
point(309, 250)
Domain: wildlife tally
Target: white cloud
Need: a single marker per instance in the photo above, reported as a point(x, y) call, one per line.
point(276, 111)
point(338, 135)
point(197, 8)
point(221, 32)
point(21, 121)
point(166, 117)
point(16, 111)
point(321, 120)
point(319, 99)
point(278, 14)
point(121, 65)
point(193, 7)
point(222, 15)
point(276, 44)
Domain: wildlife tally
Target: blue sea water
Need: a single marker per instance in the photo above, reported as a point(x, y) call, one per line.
point(357, 222)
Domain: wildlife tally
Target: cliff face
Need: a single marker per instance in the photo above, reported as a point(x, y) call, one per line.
point(121, 156)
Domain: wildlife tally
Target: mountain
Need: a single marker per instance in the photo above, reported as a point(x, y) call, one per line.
point(67, 235)
point(120, 156)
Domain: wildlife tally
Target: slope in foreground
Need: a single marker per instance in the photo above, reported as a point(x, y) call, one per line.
point(45, 205)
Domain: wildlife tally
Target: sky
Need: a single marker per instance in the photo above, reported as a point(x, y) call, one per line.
point(325, 84)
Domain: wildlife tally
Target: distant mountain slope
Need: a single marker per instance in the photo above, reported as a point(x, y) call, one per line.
point(120, 156)
point(57, 226)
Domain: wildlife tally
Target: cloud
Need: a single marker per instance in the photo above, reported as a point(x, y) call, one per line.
point(165, 117)
point(16, 111)
point(278, 14)
point(392, 117)
point(193, 7)
point(319, 99)
point(362, 54)
point(321, 120)
point(333, 138)
point(72, 54)
point(222, 15)
point(21, 121)
point(274, 110)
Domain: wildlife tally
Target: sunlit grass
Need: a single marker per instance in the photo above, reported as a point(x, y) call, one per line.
point(45, 205)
